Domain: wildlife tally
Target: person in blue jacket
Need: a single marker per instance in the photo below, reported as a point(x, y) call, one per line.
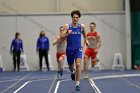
point(43, 49)
point(16, 49)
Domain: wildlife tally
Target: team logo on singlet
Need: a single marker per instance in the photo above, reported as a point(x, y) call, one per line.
point(76, 33)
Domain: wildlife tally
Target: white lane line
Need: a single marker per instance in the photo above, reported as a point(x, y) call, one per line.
point(28, 83)
point(115, 76)
point(16, 83)
point(41, 79)
point(58, 83)
point(22, 86)
point(57, 86)
point(131, 83)
point(96, 89)
point(24, 79)
point(9, 80)
point(108, 77)
point(52, 84)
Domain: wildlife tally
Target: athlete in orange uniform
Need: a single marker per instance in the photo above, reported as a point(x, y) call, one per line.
point(61, 51)
point(94, 40)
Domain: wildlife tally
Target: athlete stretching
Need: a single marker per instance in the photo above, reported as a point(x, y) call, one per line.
point(94, 40)
point(74, 48)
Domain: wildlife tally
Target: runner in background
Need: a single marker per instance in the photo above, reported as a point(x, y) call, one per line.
point(92, 50)
point(61, 52)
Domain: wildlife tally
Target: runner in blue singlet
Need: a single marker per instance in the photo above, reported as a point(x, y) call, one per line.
point(74, 49)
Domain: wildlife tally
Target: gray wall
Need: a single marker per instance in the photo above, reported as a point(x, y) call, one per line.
point(111, 27)
point(62, 6)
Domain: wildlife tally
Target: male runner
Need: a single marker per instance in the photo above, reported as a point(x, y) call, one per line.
point(61, 52)
point(94, 40)
point(74, 48)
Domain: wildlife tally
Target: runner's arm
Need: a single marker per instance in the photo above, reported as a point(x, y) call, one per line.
point(84, 35)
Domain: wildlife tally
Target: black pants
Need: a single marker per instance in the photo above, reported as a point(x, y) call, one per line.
point(16, 60)
point(43, 53)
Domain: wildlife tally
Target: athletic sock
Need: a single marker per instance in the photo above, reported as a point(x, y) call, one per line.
point(77, 83)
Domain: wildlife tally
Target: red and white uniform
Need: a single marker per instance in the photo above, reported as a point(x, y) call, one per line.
point(92, 39)
point(61, 49)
